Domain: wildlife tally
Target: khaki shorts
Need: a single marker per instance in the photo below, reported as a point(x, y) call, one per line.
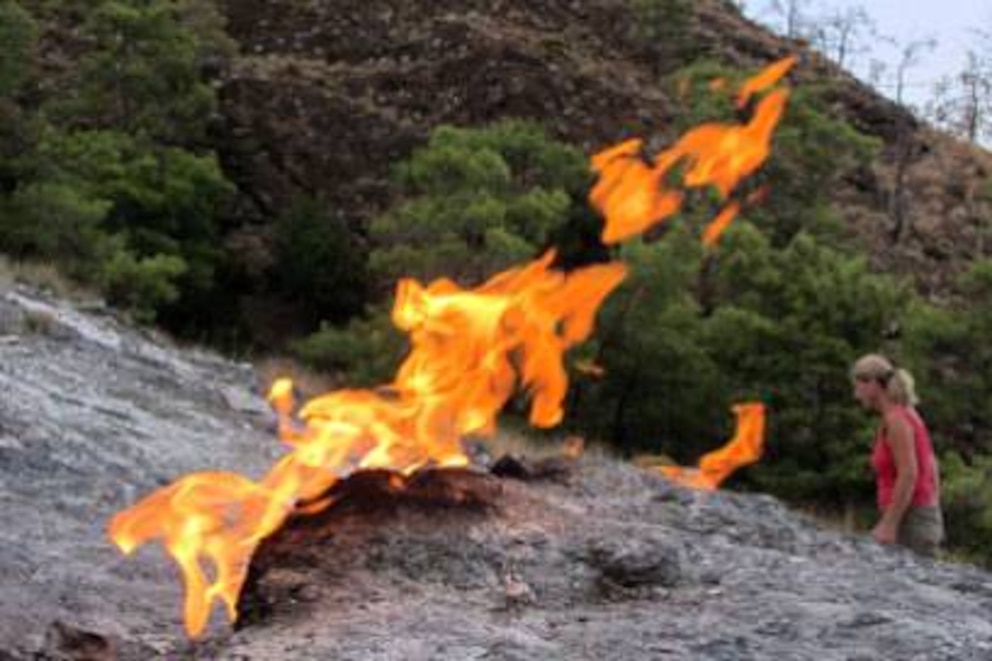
point(922, 529)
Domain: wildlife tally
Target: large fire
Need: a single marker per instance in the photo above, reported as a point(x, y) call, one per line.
point(471, 351)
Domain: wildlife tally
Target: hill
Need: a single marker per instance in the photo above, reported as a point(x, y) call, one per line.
point(594, 558)
point(323, 100)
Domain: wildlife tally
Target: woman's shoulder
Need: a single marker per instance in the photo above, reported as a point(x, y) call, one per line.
point(900, 417)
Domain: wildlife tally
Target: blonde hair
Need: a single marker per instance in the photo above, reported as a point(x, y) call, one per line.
point(899, 384)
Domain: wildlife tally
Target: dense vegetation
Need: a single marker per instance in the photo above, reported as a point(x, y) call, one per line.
point(106, 169)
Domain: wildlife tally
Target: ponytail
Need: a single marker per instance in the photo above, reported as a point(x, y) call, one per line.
point(899, 384)
point(901, 388)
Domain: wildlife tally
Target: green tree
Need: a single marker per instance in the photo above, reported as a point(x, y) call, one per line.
point(143, 74)
point(18, 33)
point(318, 265)
point(659, 391)
point(55, 221)
point(125, 136)
point(952, 345)
point(780, 325)
point(366, 351)
point(806, 312)
point(477, 201)
point(161, 201)
point(142, 285)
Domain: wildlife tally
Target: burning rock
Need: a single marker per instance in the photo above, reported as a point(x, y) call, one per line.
point(608, 565)
point(471, 350)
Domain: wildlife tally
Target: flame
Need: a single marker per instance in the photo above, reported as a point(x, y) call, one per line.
point(744, 448)
point(633, 194)
point(723, 219)
point(471, 350)
point(573, 447)
point(768, 77)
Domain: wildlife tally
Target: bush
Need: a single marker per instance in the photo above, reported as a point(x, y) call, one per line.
point(477, 201)
point(967, 502)
point(56, 221)
point(367, 352)
point(952, 346)
point(318, 265)
point(142, 285)
point(18, 33)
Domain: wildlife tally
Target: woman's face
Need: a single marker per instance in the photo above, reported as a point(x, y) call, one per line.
point(867, 391)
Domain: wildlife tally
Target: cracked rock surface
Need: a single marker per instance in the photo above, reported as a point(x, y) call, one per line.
point(594, 559)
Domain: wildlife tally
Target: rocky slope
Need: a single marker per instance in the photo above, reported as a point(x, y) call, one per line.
point(325, 97)
point(92, 416)
point(589, 559)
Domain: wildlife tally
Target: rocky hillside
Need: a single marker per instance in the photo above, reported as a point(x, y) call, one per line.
point(560, 560)
point(93, 415)
point(325, 97)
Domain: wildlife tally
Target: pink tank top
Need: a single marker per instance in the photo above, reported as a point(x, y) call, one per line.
point(884, 464)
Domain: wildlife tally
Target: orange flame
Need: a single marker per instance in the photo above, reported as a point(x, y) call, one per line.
point(632, 194)
point(573, 447)
point(767, 78)
point(470, 351)
point(744, 448)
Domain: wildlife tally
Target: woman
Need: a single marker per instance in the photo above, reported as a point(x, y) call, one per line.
point(905, 466)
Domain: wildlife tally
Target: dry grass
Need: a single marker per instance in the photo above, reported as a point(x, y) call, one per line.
point(521, 445)
point(44, 276)
point(308, 382)
point(851, 522)
point(40, 322)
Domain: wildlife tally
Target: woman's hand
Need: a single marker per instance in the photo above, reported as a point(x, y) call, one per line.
point(884, 532)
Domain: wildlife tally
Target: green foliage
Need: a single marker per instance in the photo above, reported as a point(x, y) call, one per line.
point(55, 221)
point(953, 346)
point(966, 492)
point(779, 325)
point(317, 264)
point(477, 202)
point(143, 74)
point(813, 151)
point(660, 384)
point(142, 284)
point(810, 311)
point(18, 33)
point(161, 201)
point(105, 178)
point(368, 350)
